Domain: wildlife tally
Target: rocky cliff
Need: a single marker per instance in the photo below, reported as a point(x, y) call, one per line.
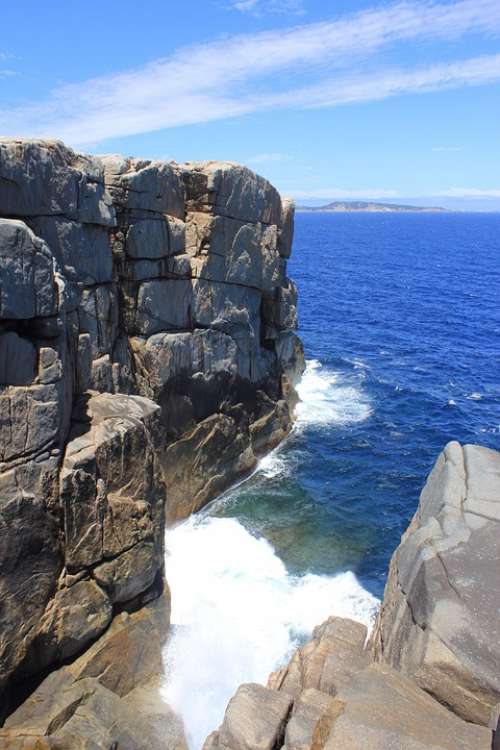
point(428, 677)
point(147, 358)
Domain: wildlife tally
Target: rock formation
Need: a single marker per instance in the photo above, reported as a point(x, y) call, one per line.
point(440, 622)
point(147, 358)
point(428, 677)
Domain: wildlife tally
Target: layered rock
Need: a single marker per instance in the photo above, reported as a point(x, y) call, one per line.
point(439, 622)
point(427, 679)
point(147, 358)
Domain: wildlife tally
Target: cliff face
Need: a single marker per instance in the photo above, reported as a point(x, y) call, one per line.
point(428, 678)
point(147, 357)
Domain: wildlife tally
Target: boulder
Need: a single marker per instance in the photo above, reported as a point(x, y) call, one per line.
point(327, 662)
point(255, 719)
point(382, 710)
point(439, 621)
point(309, 720)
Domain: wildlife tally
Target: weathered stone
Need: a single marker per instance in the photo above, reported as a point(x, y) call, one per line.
point(230, 190)
point(218, 453)
point(30, 561)
point(439, 621)
point(383, 710)
point(43, 178)
point(119, 285)
point(255, 719)
point(144, 185)
point(82, 251)
point(286, 232)
point(17, 360)
point(305, 723)
point(98, 316)
point(29, 284)
point(328, 661)
point(74, 618)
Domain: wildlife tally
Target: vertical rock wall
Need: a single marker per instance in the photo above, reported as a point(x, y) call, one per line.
point(147, 357)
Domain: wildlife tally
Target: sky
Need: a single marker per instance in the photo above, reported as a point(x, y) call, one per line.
point(339, 100)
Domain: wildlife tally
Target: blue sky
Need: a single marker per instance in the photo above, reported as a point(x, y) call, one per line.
point(329, 100)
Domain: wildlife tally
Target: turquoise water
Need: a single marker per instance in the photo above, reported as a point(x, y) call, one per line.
point(400, 318)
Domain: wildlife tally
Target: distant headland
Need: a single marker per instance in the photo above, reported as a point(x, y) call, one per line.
point(369, 206)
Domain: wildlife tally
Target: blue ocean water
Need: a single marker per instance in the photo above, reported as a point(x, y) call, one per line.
point(400, 318)
point(403, 313)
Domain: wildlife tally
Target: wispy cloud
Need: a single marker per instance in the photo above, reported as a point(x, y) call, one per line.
point(446, 149)
point(265, 158)
point(259, 7)
point(240, 74)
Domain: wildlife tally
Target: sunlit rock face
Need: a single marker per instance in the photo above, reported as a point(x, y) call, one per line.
point(147, 358)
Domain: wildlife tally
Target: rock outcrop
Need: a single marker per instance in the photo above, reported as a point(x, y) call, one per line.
point(147, 358)
point(427, 679)
point(440, 622)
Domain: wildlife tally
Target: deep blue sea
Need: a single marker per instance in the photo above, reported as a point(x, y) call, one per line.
point(400, 319)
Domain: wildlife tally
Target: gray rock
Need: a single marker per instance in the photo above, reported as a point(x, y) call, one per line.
point(383, 710)
point(29, 284)
point(230, 190)
point(439, 622)
point(46, 178)
point(328, 661)
point(82, 251)
point(144, 185)
point(286, 231)
point(255, 719)
point(305, 723)
point(17, 360)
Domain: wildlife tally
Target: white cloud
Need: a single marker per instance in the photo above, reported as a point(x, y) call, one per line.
point(469, 193)
point(263, 158)
point(259, 7)
point(446, 149)
point(341, 194)
point(238, 75)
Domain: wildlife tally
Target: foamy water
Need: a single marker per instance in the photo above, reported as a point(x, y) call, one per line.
point(238, 614)
point(236, 610)
point(327, 398)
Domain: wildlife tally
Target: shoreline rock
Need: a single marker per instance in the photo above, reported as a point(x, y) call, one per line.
point(147, 358)
point(427, 678)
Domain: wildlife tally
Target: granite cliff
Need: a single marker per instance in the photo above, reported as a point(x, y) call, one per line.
point(147, 358)
point(427, 678)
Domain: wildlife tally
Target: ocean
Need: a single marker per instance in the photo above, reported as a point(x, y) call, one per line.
point(400, 319)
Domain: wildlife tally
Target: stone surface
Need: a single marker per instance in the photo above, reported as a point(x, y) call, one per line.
point(439, 622)
point(110, 694)
point(308, 719)
point(383, 710)
point(255, 719)
point(141, 325)
point(328, 661)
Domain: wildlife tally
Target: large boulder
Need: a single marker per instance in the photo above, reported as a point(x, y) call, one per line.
point(439, 621)
point(382, 710)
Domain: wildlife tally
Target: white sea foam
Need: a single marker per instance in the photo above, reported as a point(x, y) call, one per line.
point(236, 614)
point(272, 465)
point(327, 398)
point(474, 397)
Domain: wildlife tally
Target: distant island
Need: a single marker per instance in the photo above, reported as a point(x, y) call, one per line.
point(338, 206)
